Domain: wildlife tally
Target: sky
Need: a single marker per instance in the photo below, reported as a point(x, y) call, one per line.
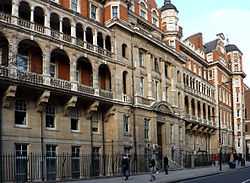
point(231, 17)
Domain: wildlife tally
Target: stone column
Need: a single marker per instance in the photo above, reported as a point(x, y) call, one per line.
point(196, 108)
point(73, 69)
point(46, 63)
point(163, 83)
point(190, 106)
point(206, 111)
point(61, 25)
point(201, 107)
point(95, 37)
point(32, 14)
point(95, 79)
point(14, 8)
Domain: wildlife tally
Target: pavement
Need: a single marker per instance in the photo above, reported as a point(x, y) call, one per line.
point(185, 175)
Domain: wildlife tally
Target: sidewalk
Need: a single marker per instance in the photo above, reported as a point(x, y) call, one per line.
point(173, 176)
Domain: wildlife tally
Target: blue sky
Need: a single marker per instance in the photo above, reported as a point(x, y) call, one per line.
point(232, 17)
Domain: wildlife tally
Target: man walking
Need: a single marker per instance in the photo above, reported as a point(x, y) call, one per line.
point(125, 166)
point(166, 164)
point(152, 168)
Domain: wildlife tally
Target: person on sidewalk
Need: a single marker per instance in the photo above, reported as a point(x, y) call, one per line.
point(153, 170)
point(125, 166)
point(166, 164)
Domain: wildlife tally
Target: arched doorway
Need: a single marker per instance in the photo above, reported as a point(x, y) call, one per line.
point(6, 6)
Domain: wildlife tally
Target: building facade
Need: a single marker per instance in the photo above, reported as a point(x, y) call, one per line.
point(111, 77)
point(247, 121)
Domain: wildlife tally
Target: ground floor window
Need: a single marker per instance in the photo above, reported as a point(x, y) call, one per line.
point(21, 162)
point(51, 162)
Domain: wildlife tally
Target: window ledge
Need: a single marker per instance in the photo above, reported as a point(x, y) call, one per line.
point(51, 129)
point(21, 126)
point(96, 133)
point(75, 131)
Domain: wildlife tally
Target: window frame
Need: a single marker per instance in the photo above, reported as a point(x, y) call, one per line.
point(117, 11)
point(50, 111)
point(146, 128)
point(21, 109)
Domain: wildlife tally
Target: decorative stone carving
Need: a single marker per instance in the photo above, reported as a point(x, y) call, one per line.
point(9, 96)
point(43, 100)
point(70, 104)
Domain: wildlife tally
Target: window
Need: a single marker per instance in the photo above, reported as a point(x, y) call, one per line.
point(74, 5)
point(125, 124)
point(246, 128)
point(180, 134)
point(166, 70)
point(114, 11)
point(141, 58)
point(20, 112)
point(50, 116)
point(143, 11)
point(156, 65)
point(171, 133)
point(238, 113)
point(146, 129)
point(51, 162)
point(155, 18)
point(74, 118)
point(22, 62)
point(238, 142)
point(124, 50)
point(52, 69)
point(75, 165)
point(141, 86)
point(237, 96)
point(77, 75)
point(21, 162)
point(95, 122)
point(93, 12)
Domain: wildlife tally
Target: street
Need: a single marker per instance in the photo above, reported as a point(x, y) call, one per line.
point(238, 176)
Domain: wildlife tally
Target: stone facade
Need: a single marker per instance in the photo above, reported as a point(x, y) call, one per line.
point(124, 83)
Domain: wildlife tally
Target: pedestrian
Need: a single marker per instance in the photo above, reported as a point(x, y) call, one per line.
point(239, 159)
point(166, 164)
point(125, 166)
point(153, 170)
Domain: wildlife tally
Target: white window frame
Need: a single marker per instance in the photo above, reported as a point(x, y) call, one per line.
point(155, 16)
point(22, 110)
point(144, 10)
point(96, 11)
point(50, 128)
point(125, 123)
point(141, 86)
point(118, 11)
point(78, 6)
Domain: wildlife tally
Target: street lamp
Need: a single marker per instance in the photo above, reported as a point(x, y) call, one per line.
point(219, 85)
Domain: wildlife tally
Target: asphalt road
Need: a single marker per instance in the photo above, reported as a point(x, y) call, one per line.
point(237, 176)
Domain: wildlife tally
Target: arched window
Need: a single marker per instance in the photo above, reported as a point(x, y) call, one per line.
point(124, 50)
point(108, 43)
point(39, 16)
point(143, 10)
point(54, 22)
point(186, 105)
point(155, 19)
point(66, 26)
point(99, 40)
point(24, 11)
point(104, 76)
point(89, 35)
point(124, 82)
point(79, 32)
point(6, 6)
point(4, 50)
point(84, 74)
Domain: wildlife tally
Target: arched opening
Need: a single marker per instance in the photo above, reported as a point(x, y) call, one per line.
point(199, 108)
point(59, 64)
point(143, 10)
point(108, 43)
point(66, 26)
point(209, 113)
point(39, 16)
point(204, 112)
point(99, 40)
point(104, 76)
point(124, 50)
point(186, 105)
point(155, 18)
point(89, 35)
point(29, 57)
point(6, 6)
point(193, 107)
point(54, 22)
point(79, 32)
point(179, 99)
point(24, 11)
point(4, 50)
point(124, 82)
point(84, 72)
point(178, 76)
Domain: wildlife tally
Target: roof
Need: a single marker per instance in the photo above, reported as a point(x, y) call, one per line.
point(210, 46)
point(232, 47)
point(168, 6)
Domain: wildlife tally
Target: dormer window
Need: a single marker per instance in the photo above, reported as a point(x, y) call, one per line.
point(74, 5)
point(93, 12)
point(155, 18)
point(114, 11)
point(143, 10)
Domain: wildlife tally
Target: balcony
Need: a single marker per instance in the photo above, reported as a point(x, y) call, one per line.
point(30, 77)
point(24, 24)
point(85, 89)
point(106, 93)
point(58, 83)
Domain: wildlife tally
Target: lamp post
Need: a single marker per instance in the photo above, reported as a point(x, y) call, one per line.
point(220, 143)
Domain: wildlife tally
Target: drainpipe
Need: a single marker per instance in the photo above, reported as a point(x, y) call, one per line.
point(42, 144)
point(103, 147)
